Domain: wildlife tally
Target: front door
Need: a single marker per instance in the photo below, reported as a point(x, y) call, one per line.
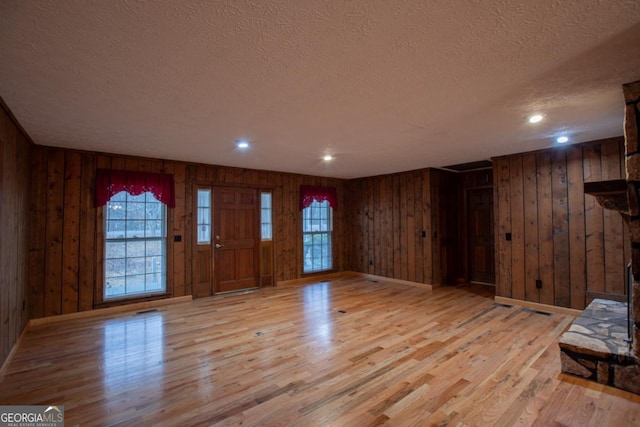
point(236, 239)
point(481, 248)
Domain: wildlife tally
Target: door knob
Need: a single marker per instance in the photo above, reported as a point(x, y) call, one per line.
point(218, 245)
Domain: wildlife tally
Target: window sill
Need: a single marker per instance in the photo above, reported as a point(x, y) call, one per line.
point(319, 273)
point(131, 299)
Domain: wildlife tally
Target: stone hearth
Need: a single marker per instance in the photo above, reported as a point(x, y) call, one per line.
point(596, 347)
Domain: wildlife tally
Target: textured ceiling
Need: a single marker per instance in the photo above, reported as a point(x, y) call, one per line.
point(383, 85)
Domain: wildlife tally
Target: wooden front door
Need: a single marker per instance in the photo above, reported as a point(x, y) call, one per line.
point(236, 238)
point(481, 247)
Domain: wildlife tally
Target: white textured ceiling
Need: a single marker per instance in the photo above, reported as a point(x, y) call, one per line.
point(384, 85)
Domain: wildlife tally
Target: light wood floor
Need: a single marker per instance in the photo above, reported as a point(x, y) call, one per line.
point(348, 352)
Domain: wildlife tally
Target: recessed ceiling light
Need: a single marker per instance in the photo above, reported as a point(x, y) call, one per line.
point(562, 139)
point(327, 157)
point(535, 118)
point(242, 144)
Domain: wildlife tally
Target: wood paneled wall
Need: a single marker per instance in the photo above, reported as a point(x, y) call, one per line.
point(66, 250)
point(394, 227)
point(14, 232)
point(559, 235)
point(388, 215)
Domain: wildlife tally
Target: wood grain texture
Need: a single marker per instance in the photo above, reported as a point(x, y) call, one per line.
point(531, 227)
point(570, 243)
point(87, 264)
point(517, 225)
point(545, 228)
point(614, 277)
point(394, 226)
point(577, 229)
point(428, 225)
point(396, 355)
point(53, 234)
point(560, 214)
point(409, 225)
point(37, 230)
point(502, 206)
point(71, 232)
point(15, 213)
point(594, 221)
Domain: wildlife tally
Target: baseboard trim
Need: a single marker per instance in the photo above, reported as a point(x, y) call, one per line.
point(13, 351)
point(314, 278)
point(538, 306)
point(392, 280)
point(109, 310)
point(475, 282)
point(348, 275)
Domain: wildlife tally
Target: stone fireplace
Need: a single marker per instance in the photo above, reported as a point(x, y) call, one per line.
point(632, 165)
point(603, 344)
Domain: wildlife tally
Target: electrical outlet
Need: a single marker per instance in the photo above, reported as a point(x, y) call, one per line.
point(538, 283)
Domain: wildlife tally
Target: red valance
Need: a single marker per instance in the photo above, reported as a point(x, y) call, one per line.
point(111, 182)
point(309, 193)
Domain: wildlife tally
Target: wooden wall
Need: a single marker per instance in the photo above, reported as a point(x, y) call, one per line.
point(14, 232)
point(388, 214)
point(559, 235)
point(394, 229)
point(66, 247)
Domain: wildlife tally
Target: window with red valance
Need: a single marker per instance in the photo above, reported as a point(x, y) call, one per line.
point(309, 193)
point(111, 182)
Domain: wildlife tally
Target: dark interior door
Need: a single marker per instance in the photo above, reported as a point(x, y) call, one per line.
point(481, 248)
point(236, 238)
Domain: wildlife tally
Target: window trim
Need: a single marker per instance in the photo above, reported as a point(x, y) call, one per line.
point(270, 209)
point(331, 239)
point(100, 298)
point(210, 224)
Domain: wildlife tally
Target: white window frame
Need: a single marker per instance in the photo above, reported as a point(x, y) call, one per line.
point(154, 278)
point(317, 225)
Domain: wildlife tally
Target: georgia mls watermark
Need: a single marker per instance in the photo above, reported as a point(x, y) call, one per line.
point(31, 416)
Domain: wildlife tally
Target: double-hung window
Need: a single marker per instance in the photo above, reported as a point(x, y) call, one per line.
point(317, 226)
point(135, 246)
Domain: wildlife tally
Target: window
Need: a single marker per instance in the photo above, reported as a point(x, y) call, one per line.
point(204, 216)
point(266, 232)
point(135, 246)
point(316, 233)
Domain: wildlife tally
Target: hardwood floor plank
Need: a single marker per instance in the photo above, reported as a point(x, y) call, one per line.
point(346, 352)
